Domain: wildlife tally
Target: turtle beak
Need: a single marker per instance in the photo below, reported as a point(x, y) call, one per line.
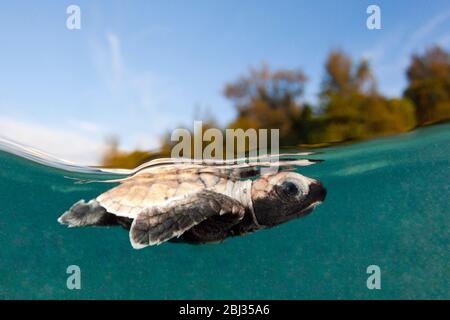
point(317, 194)
point(317, 191)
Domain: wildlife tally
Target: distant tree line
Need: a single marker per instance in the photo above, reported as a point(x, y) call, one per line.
point(350, 107)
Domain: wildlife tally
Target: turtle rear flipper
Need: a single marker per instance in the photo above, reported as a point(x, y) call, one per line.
point(87, 214)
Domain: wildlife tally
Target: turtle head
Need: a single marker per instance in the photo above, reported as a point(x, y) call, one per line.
point(284, 196)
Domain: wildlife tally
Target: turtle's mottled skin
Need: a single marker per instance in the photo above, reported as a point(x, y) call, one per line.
point(198, 203)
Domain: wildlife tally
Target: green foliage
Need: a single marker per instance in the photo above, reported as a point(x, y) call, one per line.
point(429, 85)
point(266, 99)
point(114, 158)
point(352, 106)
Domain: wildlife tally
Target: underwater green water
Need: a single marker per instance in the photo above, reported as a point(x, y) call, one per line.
point(387, 205)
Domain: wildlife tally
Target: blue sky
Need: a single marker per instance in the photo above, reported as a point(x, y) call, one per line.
point(139, 68)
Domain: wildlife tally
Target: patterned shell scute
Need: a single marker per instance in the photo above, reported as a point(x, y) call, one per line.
point(152, 188)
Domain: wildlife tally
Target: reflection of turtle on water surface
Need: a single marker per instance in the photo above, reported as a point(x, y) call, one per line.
point(199, 203)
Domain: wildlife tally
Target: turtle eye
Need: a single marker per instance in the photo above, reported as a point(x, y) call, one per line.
point(289, 188)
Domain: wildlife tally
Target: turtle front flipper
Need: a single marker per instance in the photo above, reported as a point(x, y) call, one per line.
point(156, 225)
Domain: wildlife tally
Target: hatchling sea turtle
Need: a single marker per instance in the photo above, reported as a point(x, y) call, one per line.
point(200, 202)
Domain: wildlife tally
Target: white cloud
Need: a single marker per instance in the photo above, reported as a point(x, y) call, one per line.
point(428, 28)
point(444, 41)
point(139, 100)
point(407, 43)
point(391, 55)
point(56, 142)
point(379, 50)
point(87, 126)
point(107, 59)
point(146, 142)
point(115, 55)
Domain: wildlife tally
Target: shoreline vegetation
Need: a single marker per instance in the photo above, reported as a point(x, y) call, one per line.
point(350, 107)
